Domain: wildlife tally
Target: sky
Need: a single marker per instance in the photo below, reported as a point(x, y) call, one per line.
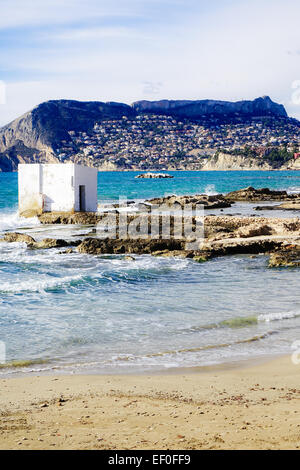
point(129, 50)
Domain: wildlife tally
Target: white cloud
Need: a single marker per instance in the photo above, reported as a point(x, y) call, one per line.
point(225, 50)
point(16, 13)
point(88, 34)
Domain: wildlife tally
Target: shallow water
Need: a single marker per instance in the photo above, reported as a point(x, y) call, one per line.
point(75, 312)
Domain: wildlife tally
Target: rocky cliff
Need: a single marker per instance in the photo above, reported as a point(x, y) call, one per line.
point(199, 109)
point(224, 161)
point(36, 135)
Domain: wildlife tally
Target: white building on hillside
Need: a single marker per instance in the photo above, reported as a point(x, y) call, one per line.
point(57, 187)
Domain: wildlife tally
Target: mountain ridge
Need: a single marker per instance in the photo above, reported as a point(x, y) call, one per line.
point(38, 134)
point(196, 108)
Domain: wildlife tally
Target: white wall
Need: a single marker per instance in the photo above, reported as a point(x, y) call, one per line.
point(57, 187)
point(87, 177)
point(29, 181)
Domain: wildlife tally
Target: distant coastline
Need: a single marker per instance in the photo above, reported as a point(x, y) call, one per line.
point(154, 136)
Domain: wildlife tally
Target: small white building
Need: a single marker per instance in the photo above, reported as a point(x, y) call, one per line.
point(62, 187)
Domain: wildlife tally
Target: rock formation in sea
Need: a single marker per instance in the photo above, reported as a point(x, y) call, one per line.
point(154, 176)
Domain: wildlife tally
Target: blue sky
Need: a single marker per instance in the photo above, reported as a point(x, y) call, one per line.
point(127, 50)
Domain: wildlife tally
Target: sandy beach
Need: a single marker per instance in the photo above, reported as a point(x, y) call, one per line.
point(240, 407)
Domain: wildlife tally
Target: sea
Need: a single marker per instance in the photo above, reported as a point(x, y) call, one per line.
point(79, 313)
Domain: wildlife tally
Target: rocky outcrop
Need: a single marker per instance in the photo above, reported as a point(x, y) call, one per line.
point(247, 235)
point(200, 108)
point(222, 227)
point(138, 246)
point(217, 201)
point(226, 162)
point(254, 230)
point(289, 256)
point(234, 246)
point(251, 194)
point(286, 206)
point(198, 255)
point(291, 165)
point(49, 243)
point(77, 218)
point(291, 205)
point(12, 237)
point(154, 175)
point(223, 235)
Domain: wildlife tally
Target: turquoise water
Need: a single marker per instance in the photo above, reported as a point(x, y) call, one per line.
point(111, 185)
point(82, 313)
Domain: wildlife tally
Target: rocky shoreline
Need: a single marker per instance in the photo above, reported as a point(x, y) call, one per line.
point(279, 238)
point(222, 234)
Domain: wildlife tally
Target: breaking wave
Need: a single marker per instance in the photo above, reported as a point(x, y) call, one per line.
point(240, 322)
point(210, 190)
point(38, 285)
point(12, 221)
point(267, 317)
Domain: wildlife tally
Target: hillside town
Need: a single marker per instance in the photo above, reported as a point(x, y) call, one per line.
point(161, 142)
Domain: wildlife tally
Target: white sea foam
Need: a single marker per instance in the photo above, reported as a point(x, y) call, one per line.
point(210, 190)
point(37, 285)
point(12, 220)
point(268, 317)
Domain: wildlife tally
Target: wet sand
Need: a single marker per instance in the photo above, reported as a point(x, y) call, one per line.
point(246, 407)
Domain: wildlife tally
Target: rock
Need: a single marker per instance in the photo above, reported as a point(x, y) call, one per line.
point(266, 208)
point(241, 246)
point(77, 218)
point(209, 202)
point(28, 214)
point(11, 237)
point(173, 253)
point(66, 252)
point(137, 246)
point(287, 257)
point(154, 175)
point(50, 243)
point(144, 207)
point(290, 206)
point(205, 256)
point(254, 230)
point(264, 194)
point(199, 256)
point(293, 205)
point(224, 235)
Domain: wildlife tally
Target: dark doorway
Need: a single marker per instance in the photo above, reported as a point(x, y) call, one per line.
point(82, 204)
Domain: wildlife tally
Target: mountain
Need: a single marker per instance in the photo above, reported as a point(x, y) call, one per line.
point(209, 108)
point(40, 134)
point(37, 134)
